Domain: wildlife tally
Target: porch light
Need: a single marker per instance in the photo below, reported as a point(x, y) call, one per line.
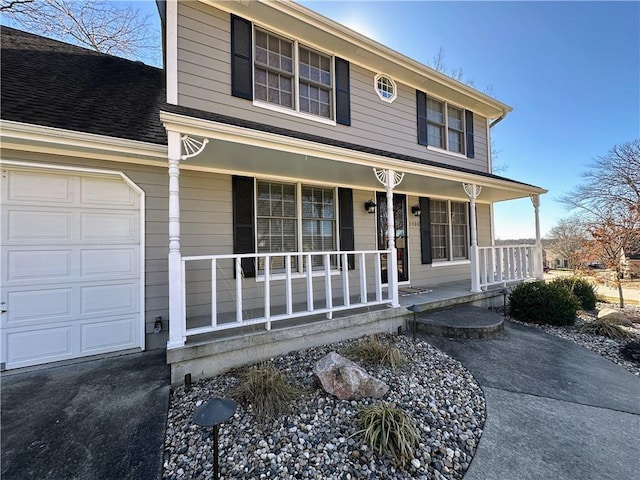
point(369, 206)
point(416, 210)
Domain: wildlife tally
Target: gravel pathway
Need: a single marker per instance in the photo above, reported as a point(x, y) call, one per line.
point(318, 439)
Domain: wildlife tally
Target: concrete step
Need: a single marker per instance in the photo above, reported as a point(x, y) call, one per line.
point(461, 322)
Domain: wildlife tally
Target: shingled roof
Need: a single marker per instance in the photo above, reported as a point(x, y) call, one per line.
point(54, 84)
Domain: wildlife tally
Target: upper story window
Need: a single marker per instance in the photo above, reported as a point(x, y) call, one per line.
point(444, 126)
point(292, 76)
point(385, 88)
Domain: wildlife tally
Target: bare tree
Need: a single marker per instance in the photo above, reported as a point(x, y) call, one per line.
point(107, 27)
point(608, 201)
point(569, 239)
point(6, 5)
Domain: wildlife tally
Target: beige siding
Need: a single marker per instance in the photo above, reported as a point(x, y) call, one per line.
point(483, 213)
point(204, 77)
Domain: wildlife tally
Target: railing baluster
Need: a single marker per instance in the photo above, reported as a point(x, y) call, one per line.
point(378, 274)
point(184, 294)
point(327, 285)
point(214, 293)
point(363, 278)
point(345, 280)
point(483, 267)
point(267, 292)
point(288, 287)
point(309, 284)
point(239, 275)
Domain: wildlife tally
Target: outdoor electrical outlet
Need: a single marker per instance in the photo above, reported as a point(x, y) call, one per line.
point(157, 326)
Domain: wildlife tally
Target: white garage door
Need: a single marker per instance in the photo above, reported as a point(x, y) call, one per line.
point(71, 280)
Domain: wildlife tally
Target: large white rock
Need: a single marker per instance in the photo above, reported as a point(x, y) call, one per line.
point(347, 380)
point(615, 317)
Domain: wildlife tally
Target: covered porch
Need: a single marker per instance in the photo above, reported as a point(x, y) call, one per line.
point(219, 293)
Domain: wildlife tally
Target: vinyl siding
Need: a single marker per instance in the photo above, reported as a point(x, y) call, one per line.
point(204, 82)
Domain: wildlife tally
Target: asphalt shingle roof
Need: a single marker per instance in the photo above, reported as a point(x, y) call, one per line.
point(54, 84)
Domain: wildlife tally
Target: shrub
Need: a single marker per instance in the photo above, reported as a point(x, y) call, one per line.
point(388, 429)
point(541, 302)
point(605, 329)
point(581, 288)
point(631, 351)
point(266, 389)
point(372, 350)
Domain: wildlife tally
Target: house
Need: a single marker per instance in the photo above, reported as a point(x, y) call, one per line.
point(282, 170)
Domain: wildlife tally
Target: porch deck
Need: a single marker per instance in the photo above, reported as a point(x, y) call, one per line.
point(214, 353)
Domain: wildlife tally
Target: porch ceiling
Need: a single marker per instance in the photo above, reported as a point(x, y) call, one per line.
point(244, 151)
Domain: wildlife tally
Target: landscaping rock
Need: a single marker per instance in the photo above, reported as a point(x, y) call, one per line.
point(346, 379)
point(614, 316)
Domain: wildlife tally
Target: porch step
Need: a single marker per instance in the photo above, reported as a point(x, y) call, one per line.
point(461, 322)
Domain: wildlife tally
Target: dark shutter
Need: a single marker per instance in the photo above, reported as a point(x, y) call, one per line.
point(343, 96)
point(243, 230)
point(468, 120)
point(425, 230)
point(421, 104)
point(347, 237)
point(241, 62)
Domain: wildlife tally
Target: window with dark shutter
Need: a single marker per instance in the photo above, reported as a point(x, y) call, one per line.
point(347, 240)
point(343, 100)
point(468, 115)
point(243, 228)
point(425, 230)
point(421, 104)
point(241, 59)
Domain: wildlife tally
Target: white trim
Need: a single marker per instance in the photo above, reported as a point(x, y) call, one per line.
point(447, 152)
point(142, 226)
point(172, 51)
point(449, 263)
point(390, 99)
point(248, 136)
point(293, 112)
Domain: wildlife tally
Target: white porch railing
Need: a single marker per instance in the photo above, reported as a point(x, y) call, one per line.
point(251, 300)
point(503, 264)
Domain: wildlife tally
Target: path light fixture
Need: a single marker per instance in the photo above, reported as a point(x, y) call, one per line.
point(416, 210)
point(505, 291)
point(415, 309)
point(212, 414)
point(370, 206)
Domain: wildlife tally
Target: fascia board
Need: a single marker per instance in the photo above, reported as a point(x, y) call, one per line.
point(231, 133)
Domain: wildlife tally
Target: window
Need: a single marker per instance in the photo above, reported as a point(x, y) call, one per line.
point(284, 221)
point(385, 88)
point(444, 126)
point(449, 230)
point(435, 123)
point(305, 85)
point(455, 129)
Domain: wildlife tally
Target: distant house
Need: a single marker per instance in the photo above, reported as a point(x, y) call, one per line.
point(281, 167)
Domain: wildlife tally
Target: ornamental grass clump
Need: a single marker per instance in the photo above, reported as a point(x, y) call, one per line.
point(266, 389)
point(388, 429)
point(371, 349)
point(605, 329)
point(581, 288)
point(540, 302)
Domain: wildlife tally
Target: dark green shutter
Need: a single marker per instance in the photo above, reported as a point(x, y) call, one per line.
point(343, 95)
point(347, 237)
point(468, 120)
point(243, 228)
point(241, 59)
point(421, 107)
point(425, 230)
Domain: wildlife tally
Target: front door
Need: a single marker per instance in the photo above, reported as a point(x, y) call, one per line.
point(400, 219)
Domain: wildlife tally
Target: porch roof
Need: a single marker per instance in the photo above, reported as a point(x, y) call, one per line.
point(238, 146)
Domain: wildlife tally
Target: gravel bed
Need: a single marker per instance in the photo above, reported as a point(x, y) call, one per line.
point(318, 438)
point(607, 347)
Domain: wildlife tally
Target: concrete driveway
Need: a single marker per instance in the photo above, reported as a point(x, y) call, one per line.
point(554, 410)
point(101, 419)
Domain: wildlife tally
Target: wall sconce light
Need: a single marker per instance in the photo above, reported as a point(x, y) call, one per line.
point(369, 206)
point(416, 210)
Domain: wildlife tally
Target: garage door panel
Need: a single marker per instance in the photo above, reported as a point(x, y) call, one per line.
point(39, 265)
point(41, 226)
point(114, 299)
point(51, 187)
point(107, 191)
point(107, 336)
point(37, 305)
point(110, 227)
point(102, 262)
point(35, 346)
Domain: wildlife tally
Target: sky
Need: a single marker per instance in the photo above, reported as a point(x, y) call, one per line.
point(570, 70)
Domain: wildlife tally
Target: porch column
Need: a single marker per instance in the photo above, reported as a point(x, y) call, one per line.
point(176, 311)
point(537, 261)
point(391, 179)
point(472, 192)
